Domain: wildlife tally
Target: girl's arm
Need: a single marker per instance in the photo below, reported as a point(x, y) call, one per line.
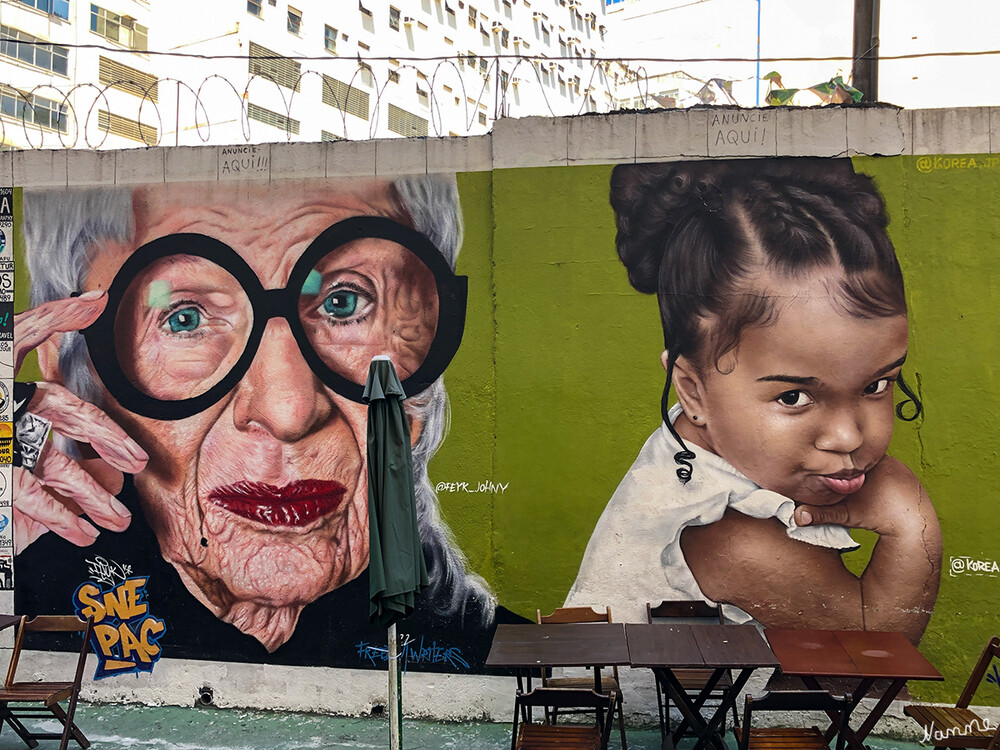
point(753, 564)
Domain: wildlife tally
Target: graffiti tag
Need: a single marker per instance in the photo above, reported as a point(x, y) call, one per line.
point(125, 636)
point(495, 487)
point(973, 726)
point(412, 653)
point(107, 571)
point(964, 564)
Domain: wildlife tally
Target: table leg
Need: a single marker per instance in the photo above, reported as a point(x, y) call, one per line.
point(876, 713)
point(727, 701)
point(699, 701)
point(705, 733)
point(854, 740)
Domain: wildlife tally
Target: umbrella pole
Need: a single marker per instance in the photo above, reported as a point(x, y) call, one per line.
point(395, 697)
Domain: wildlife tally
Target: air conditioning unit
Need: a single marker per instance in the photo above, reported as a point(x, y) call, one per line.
point(573, 40)
point(497, 27)
point(409, 20)
point(128, 22)
point(536, 16)
point(518, 40)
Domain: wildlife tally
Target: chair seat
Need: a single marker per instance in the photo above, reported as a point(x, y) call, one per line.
point(583, 683)
point(47, 692)
point(767, 738)
point(551, 736)
point(952, 727)
point(696, 679)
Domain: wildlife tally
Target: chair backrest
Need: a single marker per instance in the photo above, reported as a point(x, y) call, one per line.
point(51, 624)
point(687, 611)
point(992, 651)
point(796, 700)
point(562, 615)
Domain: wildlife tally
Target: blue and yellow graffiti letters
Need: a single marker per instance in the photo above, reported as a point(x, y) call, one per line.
point(125, 636)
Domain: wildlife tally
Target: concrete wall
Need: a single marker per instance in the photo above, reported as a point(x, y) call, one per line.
point(539, 254)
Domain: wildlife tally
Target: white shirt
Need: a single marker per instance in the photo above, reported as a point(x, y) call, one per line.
point(634, 555)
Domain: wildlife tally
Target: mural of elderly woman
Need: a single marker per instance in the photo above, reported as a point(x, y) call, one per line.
point(229, 328)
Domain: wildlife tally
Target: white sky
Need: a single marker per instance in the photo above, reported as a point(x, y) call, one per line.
point(815, 28)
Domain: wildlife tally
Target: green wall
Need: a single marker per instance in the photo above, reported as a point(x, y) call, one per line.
point(558, 380)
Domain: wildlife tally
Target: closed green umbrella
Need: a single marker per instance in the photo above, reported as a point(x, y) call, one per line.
point(396, 567)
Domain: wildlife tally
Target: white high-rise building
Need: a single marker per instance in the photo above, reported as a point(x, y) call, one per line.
point(84, 75)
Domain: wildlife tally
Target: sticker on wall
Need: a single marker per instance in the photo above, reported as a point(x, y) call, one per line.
point(6, 532)
point(6, 443)
point(126, 635)
point(6, 572)
point(6, 286)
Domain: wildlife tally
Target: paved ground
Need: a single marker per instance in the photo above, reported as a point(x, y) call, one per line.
point(172, 728)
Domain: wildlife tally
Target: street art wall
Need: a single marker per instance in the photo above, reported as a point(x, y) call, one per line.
point(823, 456)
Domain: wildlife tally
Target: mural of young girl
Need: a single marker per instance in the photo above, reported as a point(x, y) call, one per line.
point(785, 333)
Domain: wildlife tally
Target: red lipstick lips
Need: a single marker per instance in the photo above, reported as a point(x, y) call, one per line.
point(296, 504)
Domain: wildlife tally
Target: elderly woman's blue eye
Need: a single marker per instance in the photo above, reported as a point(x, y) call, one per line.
point(183, 321)
point(341, 304)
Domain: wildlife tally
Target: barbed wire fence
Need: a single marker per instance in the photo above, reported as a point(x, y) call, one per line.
point(169, 111)
point(217, 108)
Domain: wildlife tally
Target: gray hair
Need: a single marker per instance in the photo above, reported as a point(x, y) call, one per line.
point(60, 228)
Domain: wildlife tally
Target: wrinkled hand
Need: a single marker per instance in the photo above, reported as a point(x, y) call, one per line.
point(60, 490)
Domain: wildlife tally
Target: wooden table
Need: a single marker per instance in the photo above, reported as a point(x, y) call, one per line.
point(7, 621)
point(719, 648)
point(864, 655)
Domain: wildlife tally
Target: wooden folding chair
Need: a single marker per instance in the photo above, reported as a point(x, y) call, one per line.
point(32, 700)
point(531, 736)
point(694, 681)
point(780, 738)
point(583, 615)
point(959, 726)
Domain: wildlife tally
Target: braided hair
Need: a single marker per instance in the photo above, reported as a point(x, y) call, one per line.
point(695, 234)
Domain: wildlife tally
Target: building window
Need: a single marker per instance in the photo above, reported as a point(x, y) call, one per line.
point(365, 12)
point(406, 123)
point(394, 18)
point(255, 7)
point(393, 76)
point(483, 65)
point(330, 40)
point(120, 29)
point(472, 16)
point(482, 118)
point(59, 8)
point(423, 97)
point(282, 70)
point(507, 10)
point(452, 21)
point(126, 128)
point(18, 45)
point(36, 110)
point(294, 21)
point(349, 99)
point(325, 136)
point(122, 77)
point(504, 38)
point(275, 119)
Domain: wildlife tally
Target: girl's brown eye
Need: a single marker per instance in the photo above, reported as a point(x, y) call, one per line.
point(794, 398)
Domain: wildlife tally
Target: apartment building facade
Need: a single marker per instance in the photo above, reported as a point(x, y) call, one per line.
point(138, 72)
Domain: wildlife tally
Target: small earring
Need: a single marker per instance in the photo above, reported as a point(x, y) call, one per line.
point(694, 417)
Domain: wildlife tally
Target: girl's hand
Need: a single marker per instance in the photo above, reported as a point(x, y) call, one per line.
point(60, 490)
point(892, 501)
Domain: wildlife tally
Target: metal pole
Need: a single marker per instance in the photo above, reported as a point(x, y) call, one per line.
point(757, 101)
point(395, 697)
point(864, 72)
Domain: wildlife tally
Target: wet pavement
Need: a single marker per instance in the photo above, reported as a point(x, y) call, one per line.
point(116, 727)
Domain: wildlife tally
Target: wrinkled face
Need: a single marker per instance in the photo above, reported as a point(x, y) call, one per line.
point(262, 497)
point(804, 406)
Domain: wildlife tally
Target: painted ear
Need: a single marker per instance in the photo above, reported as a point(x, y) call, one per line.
point(690, 389)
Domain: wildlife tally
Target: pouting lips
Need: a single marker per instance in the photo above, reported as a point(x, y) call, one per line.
point(844, 483)
point(296, 504)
